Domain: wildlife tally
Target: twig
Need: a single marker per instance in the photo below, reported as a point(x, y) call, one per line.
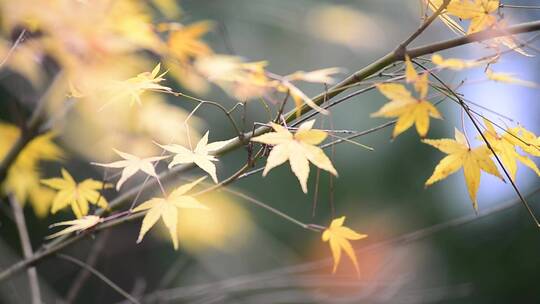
point(84, 274)
point(26, 248)
point(99, 275)
point(402, 48)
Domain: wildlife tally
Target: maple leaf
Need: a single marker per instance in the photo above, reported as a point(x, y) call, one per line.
point(22, 179)
point(300, 98)
point(339, 236)
point(242, 80)
point(78, 195)
point(509, 79)
point(460, 154)
point(184, 41)
point(525, 139)
point(132, 164)
point(420, 81)
point(201, 156)
point(406, 108)
point(134, 87)
point(298, 148)
point(318, 76)
point(84, 223)
point(454, 63)
point(505, 148)
point(479, 12)
point(167, 209)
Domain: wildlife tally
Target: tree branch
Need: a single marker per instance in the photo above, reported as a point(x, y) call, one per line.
point(20, 222)
point(99, 275)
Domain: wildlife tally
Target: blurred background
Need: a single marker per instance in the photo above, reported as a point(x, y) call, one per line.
point(240, 253)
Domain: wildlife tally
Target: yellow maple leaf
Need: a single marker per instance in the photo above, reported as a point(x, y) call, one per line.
point(84, 223)
point(185, 41)
point(505, 148)
point(509, 79)
point(24, 183)
point(479, 12)
point(242, 80)
point(167, 209)
point(454, 63)
point(318, 76)
point(23, 177)
point(300, 98)
point(40, 148)
point(298, 148)
point(460, 154)
point(134, 87)
point(201, 156)
point(339, 236)
point(420, 81)
point(408, 109)
point(132, 164)
point(78, 195)
point(525, 139)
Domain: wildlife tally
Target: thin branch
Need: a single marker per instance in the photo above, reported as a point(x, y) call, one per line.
point(26, 248)
point(402, 48)
point(13, 47)
point(99, 275)
point(84, 274)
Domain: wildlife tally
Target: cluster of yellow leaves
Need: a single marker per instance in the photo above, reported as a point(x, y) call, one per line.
point(167, 209)
point(23, 177)
point(481, 14)
point(134, 87)
point(298, 148)
point(339, 236)
point(461, 154)
point(409, 110)
point(505, 147)
point(250, 80)
point(76, 195)
point(478, 159)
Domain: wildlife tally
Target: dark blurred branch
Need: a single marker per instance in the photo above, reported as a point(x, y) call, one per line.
point(29, 131)
point(237, 142)
point(84, 274)
point(99, 275)
point(265, 278)
point(20, 222)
